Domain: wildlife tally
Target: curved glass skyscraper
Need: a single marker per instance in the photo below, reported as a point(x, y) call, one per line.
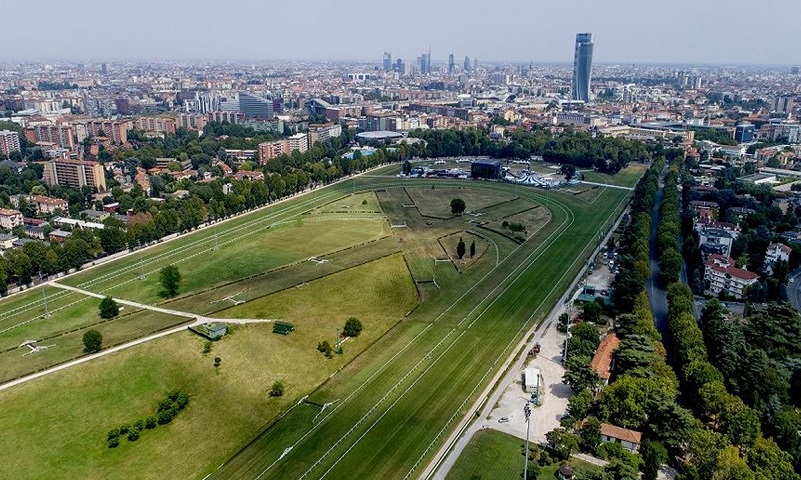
point(582, 67)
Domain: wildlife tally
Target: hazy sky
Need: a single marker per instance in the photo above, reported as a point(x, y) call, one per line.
point(657, 31)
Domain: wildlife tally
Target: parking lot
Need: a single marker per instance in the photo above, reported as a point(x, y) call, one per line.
point(554, 403)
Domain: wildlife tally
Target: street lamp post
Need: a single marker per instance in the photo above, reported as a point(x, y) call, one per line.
point(527, 413)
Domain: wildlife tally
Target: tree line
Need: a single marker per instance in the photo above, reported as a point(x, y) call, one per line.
point(728, 443)
point(581, 149)
point(668, 232)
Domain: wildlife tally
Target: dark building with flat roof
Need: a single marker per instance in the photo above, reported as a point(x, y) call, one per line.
point(486, 169)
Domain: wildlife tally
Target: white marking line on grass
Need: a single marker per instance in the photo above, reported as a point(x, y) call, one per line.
point(422, 374)
point(558, 233)
point(41, 317)
point(521, 330)
point(30, 305)
point(550, 241)
point(354, 392)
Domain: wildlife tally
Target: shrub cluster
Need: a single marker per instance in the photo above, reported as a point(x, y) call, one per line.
point(168, 408)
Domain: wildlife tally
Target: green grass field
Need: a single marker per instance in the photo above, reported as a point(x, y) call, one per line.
point(494, 455)
point(395, 393)
point(490, 455)
point(375, 429)
point(248, 253)
point(66, 438)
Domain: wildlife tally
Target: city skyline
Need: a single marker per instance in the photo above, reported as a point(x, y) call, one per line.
point(626, 32)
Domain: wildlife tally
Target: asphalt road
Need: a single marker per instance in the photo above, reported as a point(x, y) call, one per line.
point(794, 289)
point(656, 290)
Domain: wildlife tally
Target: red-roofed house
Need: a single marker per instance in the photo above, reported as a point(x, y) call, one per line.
point(46, 205)
point(630, 439)
point(721, 275)
point(604, 355)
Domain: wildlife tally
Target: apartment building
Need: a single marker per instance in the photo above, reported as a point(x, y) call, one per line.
point(10, 218)
point(164, 125)
point(774, 253)
point(46, 205)
point(299, 142)
point(9, 142)
point(115, 130)
point(721, 275)
point(191, 121)
point(75, 173)
point(269, 150)
point(324, 132)
point(61, 135)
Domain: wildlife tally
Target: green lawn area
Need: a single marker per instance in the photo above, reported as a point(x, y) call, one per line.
point(391, 412)
point(65, 438)
point(248, 253)
point(358, 203)
point(436, 202)
point(68, 344)
point(396, 392)
point(494, 455)
point(490, 455)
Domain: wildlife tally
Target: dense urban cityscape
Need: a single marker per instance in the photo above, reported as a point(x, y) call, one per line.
point(434, 266)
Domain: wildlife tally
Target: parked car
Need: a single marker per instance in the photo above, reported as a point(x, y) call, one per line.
point(503, 420)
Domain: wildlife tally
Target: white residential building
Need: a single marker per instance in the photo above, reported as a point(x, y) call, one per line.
point(776, 252)
point(721, 275)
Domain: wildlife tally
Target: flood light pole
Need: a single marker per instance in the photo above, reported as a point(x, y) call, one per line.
point(44, 296)
point(527, 413)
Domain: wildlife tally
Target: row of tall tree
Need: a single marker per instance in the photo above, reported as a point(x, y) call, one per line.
point(760, 362)
point(634, 244)
point(668, 231)
point(728, 444)
point(577, 148)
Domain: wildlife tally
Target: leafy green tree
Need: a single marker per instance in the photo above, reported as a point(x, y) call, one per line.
point(590, 435)
point(92, 341)
point(730, 466)
point(769, 462)
point(591, 312)
point(654, 455)
point(458, 206)
point(353, 327)
point(277, 390)
point(618, 470)
point(562, 443)
point(109, 308)
point(460, 248)
point(170, 279)
point(580, 404)
point(579, 375)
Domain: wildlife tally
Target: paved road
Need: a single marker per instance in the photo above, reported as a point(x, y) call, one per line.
point(794, 289)
point(448, 454)
point(656, 291)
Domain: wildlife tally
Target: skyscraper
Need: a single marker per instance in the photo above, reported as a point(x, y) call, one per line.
point(466, 63)
point(451, 64)
point(387, 61)
point(425, 63)
point(582, 67)
point(400, 67)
